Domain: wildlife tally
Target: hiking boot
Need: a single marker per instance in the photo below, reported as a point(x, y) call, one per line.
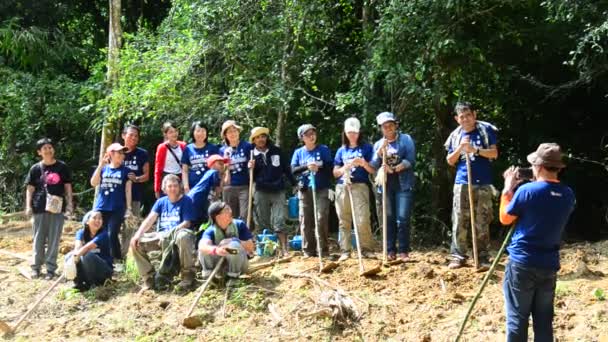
point(344, 257)
point(148, 284)
point(484, 263)
point(306, 255)
point(187, 281)
point(368, 255)
point(405, 257)
point(49, 275)
point(391, 256)
point(456, 263)
point(232, 282)
point(35, 274)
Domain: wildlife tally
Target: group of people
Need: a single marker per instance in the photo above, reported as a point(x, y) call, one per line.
point(202, 193)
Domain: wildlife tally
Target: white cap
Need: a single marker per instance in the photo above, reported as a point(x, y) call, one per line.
point(352, 125)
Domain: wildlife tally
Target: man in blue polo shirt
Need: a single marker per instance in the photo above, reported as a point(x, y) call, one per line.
point(174, 213)
point(542, 209)
point(478, 140)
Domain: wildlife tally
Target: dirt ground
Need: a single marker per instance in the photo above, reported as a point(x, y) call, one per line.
point(417, 301)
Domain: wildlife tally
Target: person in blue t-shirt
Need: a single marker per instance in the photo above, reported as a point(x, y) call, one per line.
point(478, 140)
point(114, 194)
point(194, 158)
point(174, 213)
point(226, 234)
point(92, 253)
point(352, 169)
point(136, 160)
point(316, 159)
point(540, 210)
point(207, 189)
point(400, 180)
point(236, 191)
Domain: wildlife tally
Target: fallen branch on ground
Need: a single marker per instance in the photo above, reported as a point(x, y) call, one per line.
point(14, 255)
point(268, 264)
point(335, 303)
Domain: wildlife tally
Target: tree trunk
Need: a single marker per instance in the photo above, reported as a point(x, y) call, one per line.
point(441, 194)
point(109, 129)
point(114, 43)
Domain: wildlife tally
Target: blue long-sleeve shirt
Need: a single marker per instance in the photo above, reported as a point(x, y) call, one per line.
point(400, 151)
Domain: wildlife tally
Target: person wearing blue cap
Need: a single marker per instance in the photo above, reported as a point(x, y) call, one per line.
point(400, 152)
point(91, 253)
point(316, 159)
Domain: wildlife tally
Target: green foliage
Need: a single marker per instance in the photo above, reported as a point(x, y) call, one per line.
point(599, 294)
point(283, 63)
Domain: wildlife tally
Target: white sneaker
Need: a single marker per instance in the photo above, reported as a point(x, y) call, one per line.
point(344, 257)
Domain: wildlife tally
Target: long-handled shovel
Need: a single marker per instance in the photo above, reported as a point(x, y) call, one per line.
point(193, 322)
point(384, 219)
point(8, 329)
point(472, 211)
point(330, 266)
point(362, 271)
point(250, 196)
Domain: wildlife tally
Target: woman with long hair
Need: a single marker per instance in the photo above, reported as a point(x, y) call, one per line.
point(92, 253)
point(168, 156)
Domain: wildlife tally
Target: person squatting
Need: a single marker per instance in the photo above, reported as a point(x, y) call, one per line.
point(202, 211)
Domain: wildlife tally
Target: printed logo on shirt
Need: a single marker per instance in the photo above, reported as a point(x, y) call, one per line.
point(237, 161)
point(198, 162)
point(276, 160)
point(556, 194)
point(110, 181)
point(52, 178)
point(170, 219)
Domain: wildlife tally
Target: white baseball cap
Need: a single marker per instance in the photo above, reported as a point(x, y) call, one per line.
point(352, 125)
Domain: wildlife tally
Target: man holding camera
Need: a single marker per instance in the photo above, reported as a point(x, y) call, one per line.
point(542, 209)
point(478, 140)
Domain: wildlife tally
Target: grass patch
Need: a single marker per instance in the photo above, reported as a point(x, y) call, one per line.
point(68, 293)
point(131, 273)
point(562, 289)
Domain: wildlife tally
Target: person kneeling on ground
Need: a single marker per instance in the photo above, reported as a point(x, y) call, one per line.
point(226, 238)
point(92, 253)
point(173, 237)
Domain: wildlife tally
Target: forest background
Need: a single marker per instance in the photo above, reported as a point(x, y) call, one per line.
point(536, 69)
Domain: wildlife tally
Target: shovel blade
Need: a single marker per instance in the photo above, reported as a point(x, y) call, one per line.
point(192, 322)
point(5, 327)
point(328, 267)
point(371, 272)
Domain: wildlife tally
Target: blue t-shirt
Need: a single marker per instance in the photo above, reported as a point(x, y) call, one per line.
point(111, 195)
point(239, 157)
point(134, 161)
point(199, 194)
point(244, 233)
point(480, 166)
point(102, 240)
point(171, 214)
point(321, 155)
point(346, 154)
point(542, 210)
point(196, 159)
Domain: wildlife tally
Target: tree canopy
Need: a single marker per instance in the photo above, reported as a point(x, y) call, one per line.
point(537, 69)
